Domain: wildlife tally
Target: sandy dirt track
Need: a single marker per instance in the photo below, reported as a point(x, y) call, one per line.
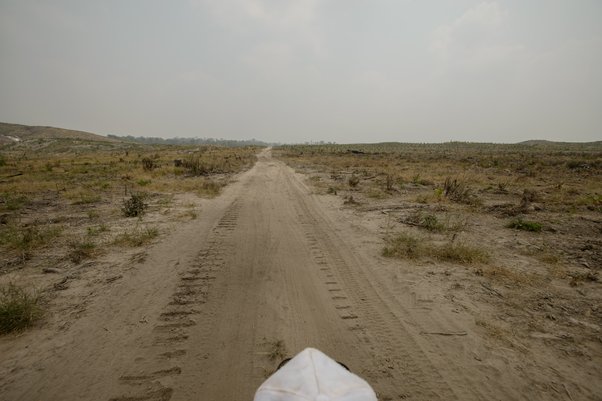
point(264, 262)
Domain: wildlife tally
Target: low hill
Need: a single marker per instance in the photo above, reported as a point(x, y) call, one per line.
point(17, 132)
point(543, 142)
point(231, 143)
point(11, 133)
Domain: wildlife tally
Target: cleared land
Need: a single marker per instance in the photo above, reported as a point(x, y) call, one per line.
point(480, 286)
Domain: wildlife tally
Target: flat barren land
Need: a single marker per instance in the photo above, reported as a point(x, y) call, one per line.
point(466, 304)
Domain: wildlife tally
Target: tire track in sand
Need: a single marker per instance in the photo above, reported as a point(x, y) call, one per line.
point(171, 332)
point(422, 374)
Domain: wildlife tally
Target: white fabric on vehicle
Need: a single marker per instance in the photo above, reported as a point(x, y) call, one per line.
point(313, 376)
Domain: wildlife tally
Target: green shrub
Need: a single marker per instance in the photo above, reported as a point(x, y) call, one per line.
point(18, 309)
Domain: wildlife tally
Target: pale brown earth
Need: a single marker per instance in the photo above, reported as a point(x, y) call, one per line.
point(202, 314)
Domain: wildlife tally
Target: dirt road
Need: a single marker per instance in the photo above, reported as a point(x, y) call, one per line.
point(266, 269)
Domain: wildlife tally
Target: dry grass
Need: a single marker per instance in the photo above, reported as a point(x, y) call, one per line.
point(136, 236)
point(24, 239)
point(567, 176)
point(525, 225)
point(511, 276)
point(44, 182)
point(413, 247)
point(81, 250)
point(18, 308)
point(89, 172)
point(553, 189)
point(434, 223)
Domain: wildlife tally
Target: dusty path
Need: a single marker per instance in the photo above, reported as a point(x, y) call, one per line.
point(199, 318)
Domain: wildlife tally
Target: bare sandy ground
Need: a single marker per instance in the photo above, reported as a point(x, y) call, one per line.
point(267, 263)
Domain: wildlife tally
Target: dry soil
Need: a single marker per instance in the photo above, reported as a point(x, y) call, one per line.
point(266, 270)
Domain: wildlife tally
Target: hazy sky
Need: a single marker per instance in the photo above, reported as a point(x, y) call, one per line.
point(306, 70)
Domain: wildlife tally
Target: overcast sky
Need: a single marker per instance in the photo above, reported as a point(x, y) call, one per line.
point(306, 70)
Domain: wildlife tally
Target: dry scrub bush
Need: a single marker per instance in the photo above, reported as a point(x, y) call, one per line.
point(149, 164)
point(353, 181)
point(134, 206)
point(458, 191)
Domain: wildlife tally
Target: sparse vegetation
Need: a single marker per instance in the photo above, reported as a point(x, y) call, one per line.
point(412, 247)
point(49, 181)
point(27, 238)
point(525, 225)
point(135, 205)
point(149, 164)
point(546, 181)
point(458, 191)
point(460, 253)
point(404, 246)
point(81, 250)
point(430, 222)
point(18, 308)
point(511, 276)
point(94, 231)
point(353, 181)
point(277, 350)
point(83, 197)
point(12, 202)
point(137, 236)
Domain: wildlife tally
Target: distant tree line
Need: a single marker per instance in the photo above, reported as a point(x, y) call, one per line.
point(190, 141)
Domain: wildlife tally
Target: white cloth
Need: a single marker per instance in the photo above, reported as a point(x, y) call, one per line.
point(313, 376)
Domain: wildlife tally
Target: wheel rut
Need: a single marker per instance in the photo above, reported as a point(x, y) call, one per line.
point(171, 333)
point(381, 326)
point(265, 271)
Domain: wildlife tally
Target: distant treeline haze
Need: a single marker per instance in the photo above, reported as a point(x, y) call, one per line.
point(191, 141)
